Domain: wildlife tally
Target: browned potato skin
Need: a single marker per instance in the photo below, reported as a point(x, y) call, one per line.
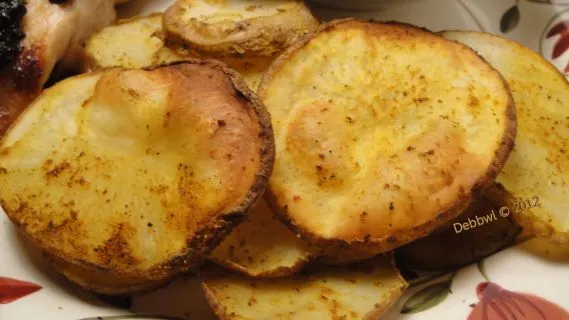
point(265, 36)
point(343, 256)
point(447, 250)
point(103, 282)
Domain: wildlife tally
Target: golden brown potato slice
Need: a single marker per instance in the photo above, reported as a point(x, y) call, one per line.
point(356, 292)
point(139, 43)
point(537, 172)
point(453, 246)
point(233, 27)
point(137, 173)
point(262, 246)
point(131, 43)
point(381, 144)
point(101, 281)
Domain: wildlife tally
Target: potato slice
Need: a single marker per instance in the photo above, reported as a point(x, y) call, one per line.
point(383, 143)
point(137, 173)
point(356, 292)
point(131, 43)
point(262, 246)
point(139, 43)
point(101, 281)
point(537, 172)
point(452, 247)
point(233, 27)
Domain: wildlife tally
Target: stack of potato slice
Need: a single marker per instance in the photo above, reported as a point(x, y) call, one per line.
point(385, 136)
point(246, 35)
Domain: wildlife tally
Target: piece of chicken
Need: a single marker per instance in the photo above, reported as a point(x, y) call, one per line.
point(54, 31)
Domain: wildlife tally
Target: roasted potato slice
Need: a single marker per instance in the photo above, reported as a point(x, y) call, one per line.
point(232, 27)
point(363, 291)
point(139, 43)
point(262, 246)
point(537, 172)
point(452, 247)
point(137, 173)
point(131, 43)
point(101, 281)
point(383, 143)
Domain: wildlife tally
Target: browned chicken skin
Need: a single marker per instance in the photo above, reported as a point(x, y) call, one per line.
point(54, 32)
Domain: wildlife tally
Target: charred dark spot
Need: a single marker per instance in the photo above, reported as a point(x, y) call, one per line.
point(391, 206)
point(133, 93)
point(116, 249)
point(221, 123)
point(55, 172)
point(29, 69)
point(160, 189)
point(428, 153)
point(11, 33)
point(3, 171)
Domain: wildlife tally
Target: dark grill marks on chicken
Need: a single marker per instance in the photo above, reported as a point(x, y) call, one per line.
point(11, 34)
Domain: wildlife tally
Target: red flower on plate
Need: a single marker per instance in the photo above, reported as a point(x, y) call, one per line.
point(12, 289)
point(561, 29)
point(497, 303)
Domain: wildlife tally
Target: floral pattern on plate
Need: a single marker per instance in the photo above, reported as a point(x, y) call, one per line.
point(12, 289)
point(555, 41)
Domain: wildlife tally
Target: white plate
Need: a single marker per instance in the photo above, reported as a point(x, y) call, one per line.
point(533, 270)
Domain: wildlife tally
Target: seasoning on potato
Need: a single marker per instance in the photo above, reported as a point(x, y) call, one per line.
point(381, 144)
point(361, 291)
point(136, 173)
point(538, 168)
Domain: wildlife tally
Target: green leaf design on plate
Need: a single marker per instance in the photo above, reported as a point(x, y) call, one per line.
point(427, 298)
point(510, 19)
